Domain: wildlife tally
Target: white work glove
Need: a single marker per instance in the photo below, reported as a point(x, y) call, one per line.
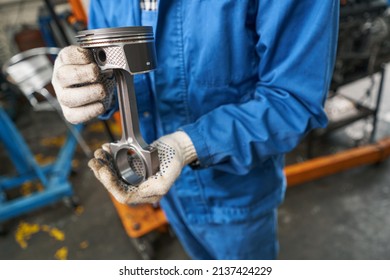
point(174, 151)
point(82, 90)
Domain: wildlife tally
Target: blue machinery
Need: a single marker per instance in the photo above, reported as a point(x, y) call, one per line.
point(54, 177)
point(31, 71)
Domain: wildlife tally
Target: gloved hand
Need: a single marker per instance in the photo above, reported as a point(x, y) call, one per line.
point(174, 151)
point(82, 90)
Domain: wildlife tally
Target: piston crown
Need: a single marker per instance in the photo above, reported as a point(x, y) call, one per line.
point(120, 35)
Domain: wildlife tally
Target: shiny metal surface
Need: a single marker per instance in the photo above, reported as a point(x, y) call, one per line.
point(126, 51)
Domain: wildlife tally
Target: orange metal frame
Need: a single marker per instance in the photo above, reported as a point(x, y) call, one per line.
point(324, 166)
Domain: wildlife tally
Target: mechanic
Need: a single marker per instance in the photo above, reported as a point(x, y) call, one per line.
point(238, 85)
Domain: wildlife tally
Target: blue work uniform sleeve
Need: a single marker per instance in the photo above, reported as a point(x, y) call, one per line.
point(296, 49)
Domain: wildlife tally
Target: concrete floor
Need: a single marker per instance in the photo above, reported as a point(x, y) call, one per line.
point(343, 216)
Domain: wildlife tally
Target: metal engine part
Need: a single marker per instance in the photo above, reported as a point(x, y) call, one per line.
point(126, 51)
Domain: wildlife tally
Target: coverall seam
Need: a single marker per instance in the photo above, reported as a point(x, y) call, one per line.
point(182, 62)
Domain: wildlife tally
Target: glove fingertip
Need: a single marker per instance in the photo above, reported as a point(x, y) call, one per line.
point(110, 182)
point(106, 148)
point(101, 154)
point(95, 166)
point(107, 177)
point(82, 114)
point(75, 55)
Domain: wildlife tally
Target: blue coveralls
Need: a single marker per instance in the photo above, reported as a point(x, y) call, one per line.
point(246, 80)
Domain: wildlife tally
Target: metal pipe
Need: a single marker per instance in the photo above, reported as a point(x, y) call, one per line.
point(378, 102)
point(57, 21)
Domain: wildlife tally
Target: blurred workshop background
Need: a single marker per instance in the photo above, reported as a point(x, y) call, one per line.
point(52, 207)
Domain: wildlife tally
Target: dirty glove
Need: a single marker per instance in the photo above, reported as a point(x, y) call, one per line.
point(174, 151)
point(82, 90)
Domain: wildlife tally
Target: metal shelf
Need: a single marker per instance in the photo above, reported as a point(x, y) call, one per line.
point(361, 112)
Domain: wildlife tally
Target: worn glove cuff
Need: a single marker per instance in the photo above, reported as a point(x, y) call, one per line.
point(189, 152)
point(184, 143)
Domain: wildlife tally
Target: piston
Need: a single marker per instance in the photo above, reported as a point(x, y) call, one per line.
point(126, 51)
